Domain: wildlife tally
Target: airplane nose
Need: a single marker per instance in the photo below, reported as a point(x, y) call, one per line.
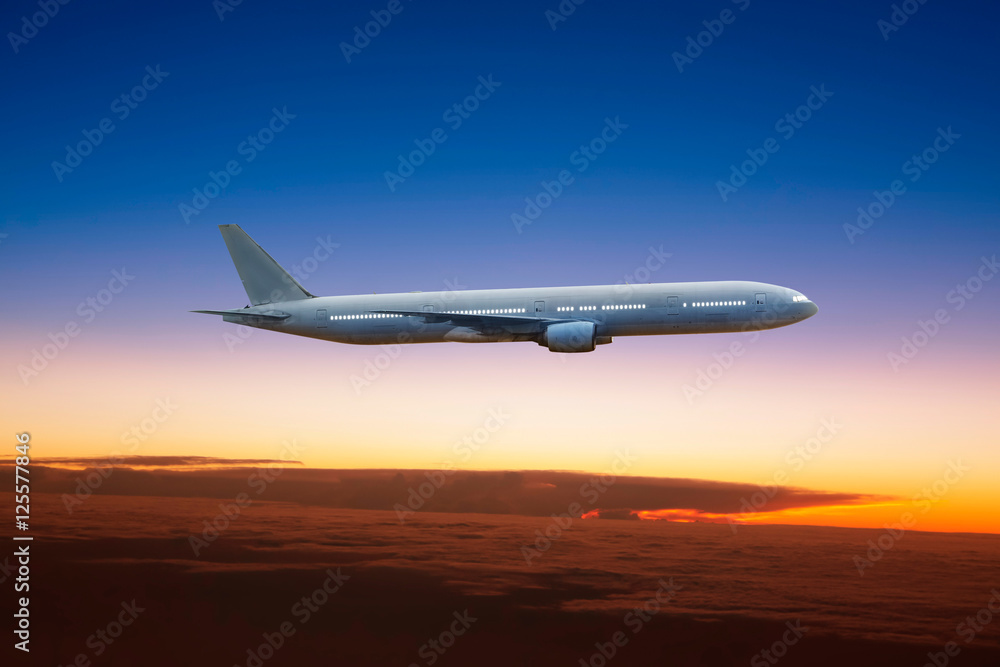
point(811, 309)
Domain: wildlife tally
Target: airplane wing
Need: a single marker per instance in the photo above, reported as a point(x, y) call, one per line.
point(483, 323)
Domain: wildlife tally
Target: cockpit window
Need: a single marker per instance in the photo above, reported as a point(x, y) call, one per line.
point(798, 298)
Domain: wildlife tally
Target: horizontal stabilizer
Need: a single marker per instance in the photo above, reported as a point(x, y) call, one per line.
point(247, 315)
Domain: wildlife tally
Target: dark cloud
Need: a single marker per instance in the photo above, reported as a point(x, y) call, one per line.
point(532, 493)
point(149, 461)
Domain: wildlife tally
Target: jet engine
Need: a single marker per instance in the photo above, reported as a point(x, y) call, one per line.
point(570, 337)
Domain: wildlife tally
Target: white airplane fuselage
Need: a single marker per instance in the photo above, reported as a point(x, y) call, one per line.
point(564, 319)
point(616, 310)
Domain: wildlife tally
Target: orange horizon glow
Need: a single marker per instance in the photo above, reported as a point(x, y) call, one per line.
point(730, 435)
point(948, 517)
point(875, 515)
point(813, 515)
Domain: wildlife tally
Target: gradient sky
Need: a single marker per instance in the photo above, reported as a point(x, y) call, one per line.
point(450, 223)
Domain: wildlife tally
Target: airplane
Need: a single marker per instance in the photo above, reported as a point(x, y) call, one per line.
point(563, 319)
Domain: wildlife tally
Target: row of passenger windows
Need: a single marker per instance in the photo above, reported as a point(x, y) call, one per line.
point(483, 311)
point(561, 309)
point(488, 311)
point(703, 304)
point(365, 316)
point(623, 306)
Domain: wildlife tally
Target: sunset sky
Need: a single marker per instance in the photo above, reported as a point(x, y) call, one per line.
point(894, 430)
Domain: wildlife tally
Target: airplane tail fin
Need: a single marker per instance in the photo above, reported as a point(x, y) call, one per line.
point(263, 278)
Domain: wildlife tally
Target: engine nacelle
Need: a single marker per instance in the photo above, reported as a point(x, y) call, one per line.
point(570, 337)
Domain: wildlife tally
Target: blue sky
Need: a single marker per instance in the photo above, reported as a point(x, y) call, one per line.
point(557, 87)
point(655, 185)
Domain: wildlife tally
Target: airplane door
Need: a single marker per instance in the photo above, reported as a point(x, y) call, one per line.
point(428, 308)
point(539, 307)
point(321, 319)
point(673, 305)
point(761, 302)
